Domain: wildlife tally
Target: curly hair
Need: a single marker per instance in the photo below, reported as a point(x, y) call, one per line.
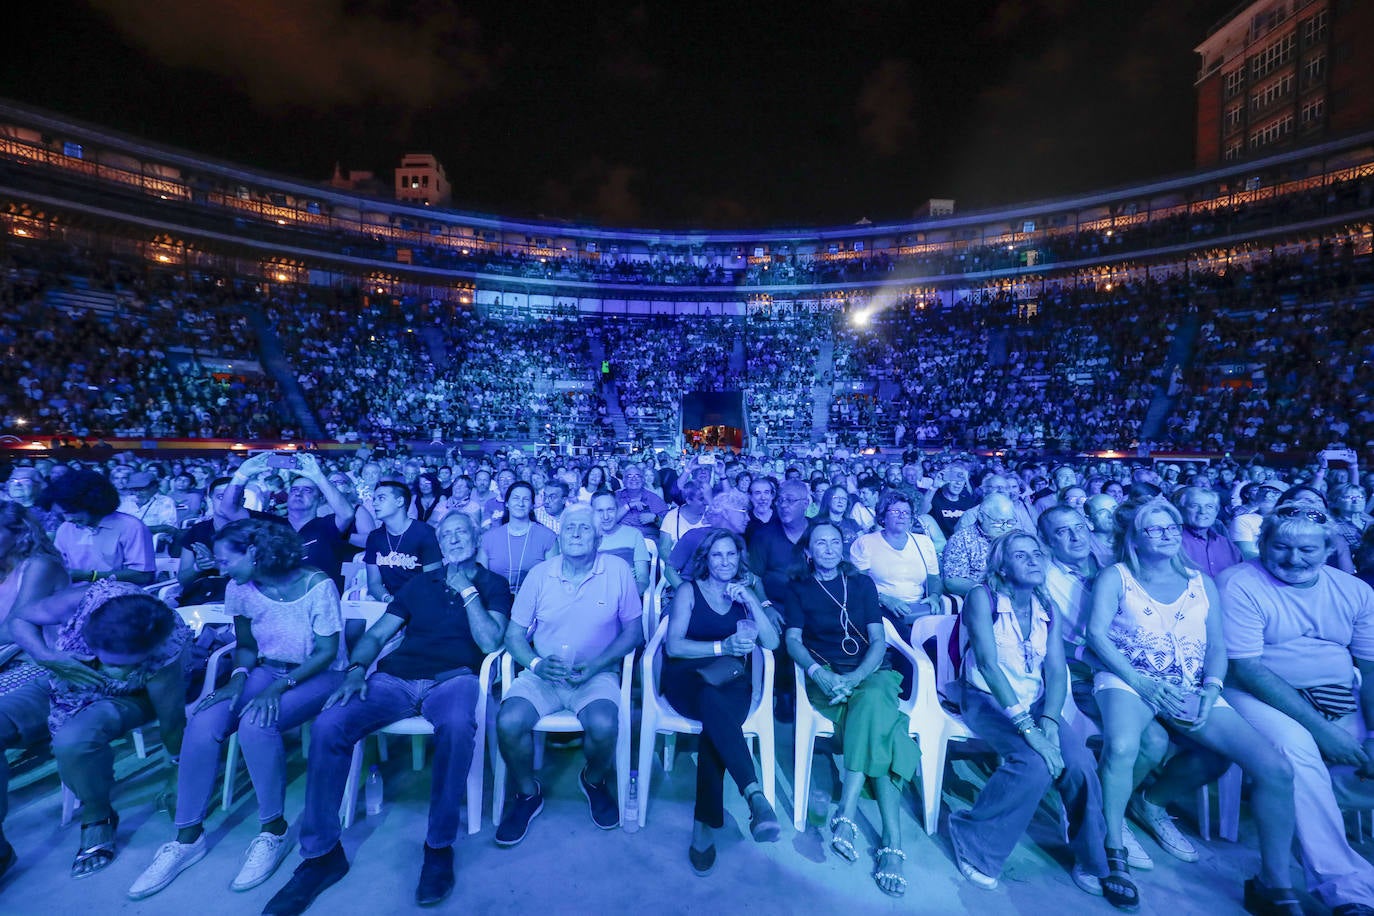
point(29, 539)
point(277, 548)
point(129, 625)
point(698, 567)
point(82, 491)
point(890, 498)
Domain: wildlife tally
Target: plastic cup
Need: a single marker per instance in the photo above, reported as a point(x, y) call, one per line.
point(747, 629)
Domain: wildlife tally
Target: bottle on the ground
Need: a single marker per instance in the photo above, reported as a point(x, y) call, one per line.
point(373, 791)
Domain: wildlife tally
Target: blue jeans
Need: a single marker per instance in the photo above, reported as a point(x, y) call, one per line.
point(263, 753)
point(985, 835)
point(449, 705)
point(23, 722)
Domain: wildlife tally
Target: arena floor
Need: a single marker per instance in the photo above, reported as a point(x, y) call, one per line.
point(566, 865)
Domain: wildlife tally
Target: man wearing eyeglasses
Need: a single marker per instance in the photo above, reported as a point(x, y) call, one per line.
point(965, 560)
point(1293, 625)
point(1205, 540)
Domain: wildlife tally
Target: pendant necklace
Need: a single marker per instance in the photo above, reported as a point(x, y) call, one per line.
point(845, 623)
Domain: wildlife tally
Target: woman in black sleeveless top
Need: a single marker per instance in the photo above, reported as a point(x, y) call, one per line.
point(706, 676)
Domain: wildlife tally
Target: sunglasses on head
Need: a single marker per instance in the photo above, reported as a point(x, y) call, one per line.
point(1306, 512)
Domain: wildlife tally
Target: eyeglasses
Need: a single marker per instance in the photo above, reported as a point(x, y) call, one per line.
point(790, 500)
point(1157, 532)
point(899, 513)
point(1000, 524)
point(1315, 515)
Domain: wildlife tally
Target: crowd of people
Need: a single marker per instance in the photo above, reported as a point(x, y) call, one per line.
point(1194, 616)
point(1225, 359)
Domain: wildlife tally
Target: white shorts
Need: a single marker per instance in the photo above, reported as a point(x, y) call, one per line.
point(548, 697)
point(1105, 680)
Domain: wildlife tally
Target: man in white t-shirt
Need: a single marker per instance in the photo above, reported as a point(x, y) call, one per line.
point(1296, 632)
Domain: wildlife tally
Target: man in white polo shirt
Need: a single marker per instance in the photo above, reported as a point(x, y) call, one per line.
point(583, 610)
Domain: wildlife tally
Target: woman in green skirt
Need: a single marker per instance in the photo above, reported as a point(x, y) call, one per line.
point(835, 633)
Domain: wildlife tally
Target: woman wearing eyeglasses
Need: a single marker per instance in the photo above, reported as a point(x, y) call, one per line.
point(1156, 627)
point(902, 564)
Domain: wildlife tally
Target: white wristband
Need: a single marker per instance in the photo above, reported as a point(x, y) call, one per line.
point(717, 648)
point(811, 672)
point(535, 661)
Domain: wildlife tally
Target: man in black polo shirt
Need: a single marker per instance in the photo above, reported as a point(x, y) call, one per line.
point(400, 547)
point(953, 498)
point(453, 617)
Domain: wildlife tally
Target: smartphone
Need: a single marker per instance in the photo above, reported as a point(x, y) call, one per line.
point(1191, 704)
point(284, 460)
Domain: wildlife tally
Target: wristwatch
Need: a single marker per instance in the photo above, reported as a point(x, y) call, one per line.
point(291, 682)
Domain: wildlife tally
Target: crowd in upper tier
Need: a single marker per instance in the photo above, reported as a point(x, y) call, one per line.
point(1219, 360)
point(1196, 617)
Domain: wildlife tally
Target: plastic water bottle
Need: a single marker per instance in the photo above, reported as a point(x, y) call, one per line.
point(373, 791)
point(632, 804)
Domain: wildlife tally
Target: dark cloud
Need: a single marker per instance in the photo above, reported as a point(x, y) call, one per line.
point(312, 52)
point(885, 108)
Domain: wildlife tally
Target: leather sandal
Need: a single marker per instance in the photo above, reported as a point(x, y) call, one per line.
point(94, 857)
point(1117, 887)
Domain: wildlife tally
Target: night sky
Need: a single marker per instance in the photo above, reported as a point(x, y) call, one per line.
point(645, 114)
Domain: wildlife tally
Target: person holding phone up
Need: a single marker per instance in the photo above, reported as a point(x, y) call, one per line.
point(1156, 627)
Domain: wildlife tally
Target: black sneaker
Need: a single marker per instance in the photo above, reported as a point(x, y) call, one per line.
point(522, 810)
point(763, 823)
point(312, 877)
point(605, 811)
point(436, 876)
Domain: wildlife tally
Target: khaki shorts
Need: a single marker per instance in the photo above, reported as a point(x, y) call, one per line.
point(548, 697)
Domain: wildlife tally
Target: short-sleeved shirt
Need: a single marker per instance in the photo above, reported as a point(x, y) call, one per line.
point(627, 543)
point(966, 554)
point(1072, 593)
point(1210, 550)
point(587, 616)
point(160, 510)
point(436, 638)
point(285, 631)
point(815, 610)
point(1304, 635)
point(947, 511)
point(512, 556)
point(898, 573)
point(639, 502)
point(68, 699)
point(400, 559)
point(117, 541)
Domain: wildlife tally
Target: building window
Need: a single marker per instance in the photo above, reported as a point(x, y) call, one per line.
point(1273, 92)
point(1272, 57)
point(1313, 112)
point(1234, 82)
point(1314, 72)
point(1234, 149)
point(1313, 30)
point(1272, 132)
point(1235, 116)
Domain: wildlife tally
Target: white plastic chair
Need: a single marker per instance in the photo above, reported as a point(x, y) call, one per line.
point(658, 717)
point(566, 721)
point(930, 724)
point(808, 726)
point(417, 727)
point(653, 608)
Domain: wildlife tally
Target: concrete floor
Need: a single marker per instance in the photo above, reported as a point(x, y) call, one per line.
point(567, 865)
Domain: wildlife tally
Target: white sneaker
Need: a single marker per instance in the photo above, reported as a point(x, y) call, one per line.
point(265, 853)
point(1136, 856)
point(171, 860)
point(1160, 825)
